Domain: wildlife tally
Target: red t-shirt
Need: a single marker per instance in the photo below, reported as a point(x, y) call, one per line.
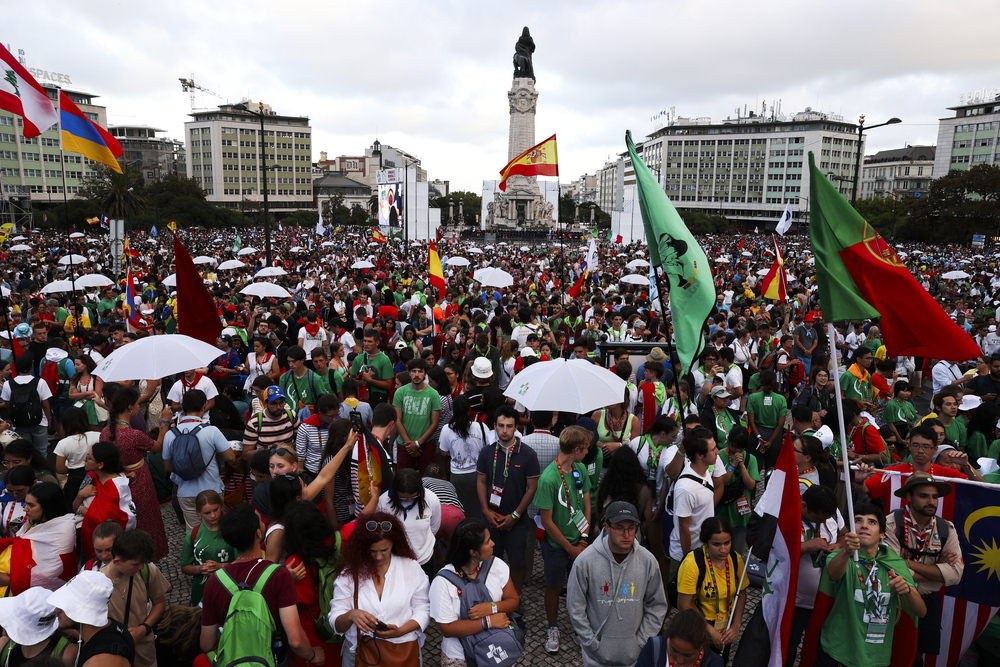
point(278, 593)
point(877, 487)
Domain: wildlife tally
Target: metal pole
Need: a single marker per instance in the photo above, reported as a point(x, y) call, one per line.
point(263, 171)
point(69, 241)
point(857, 167)
point(831, 333)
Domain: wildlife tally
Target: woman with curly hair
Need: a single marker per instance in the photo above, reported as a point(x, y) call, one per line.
point(380, 599)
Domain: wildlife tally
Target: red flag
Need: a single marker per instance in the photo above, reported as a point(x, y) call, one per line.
point(742, 242)
point(574, 291)
point(775, 283)
point(435, 270)
point(618, 239)
point(196, 312)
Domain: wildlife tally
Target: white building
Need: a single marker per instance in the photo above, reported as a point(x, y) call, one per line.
point(897, 173)
point(969, 137)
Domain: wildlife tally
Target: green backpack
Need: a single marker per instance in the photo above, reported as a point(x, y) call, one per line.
point(327, 575)
point(249, 627)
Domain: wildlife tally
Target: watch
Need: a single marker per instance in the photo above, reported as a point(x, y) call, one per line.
point(149, 628)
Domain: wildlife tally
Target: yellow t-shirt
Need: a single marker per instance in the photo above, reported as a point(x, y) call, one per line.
point(705, 599)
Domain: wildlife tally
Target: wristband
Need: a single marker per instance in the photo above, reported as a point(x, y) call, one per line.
point(730, 468)
point(515, 516)
point(483, 622)
point(489, 622)
point(149, 628)
point(493, 605)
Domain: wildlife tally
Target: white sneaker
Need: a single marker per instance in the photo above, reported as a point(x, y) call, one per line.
point(552, 643)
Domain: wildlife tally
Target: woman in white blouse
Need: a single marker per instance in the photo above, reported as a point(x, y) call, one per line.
point(262, 361)
point(381, 586)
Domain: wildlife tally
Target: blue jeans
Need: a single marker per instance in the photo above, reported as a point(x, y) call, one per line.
point(37, 436)
point(806, 366)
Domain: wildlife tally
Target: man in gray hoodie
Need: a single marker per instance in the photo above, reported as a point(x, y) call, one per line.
point(615, 592)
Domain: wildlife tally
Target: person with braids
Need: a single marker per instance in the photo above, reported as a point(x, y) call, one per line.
point(381, 586)
point(132, 446)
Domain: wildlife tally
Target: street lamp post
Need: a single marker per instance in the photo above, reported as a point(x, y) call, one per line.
point(263, 176)
point(857, 158)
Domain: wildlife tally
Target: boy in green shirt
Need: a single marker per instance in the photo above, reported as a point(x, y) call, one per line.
point(418, 410)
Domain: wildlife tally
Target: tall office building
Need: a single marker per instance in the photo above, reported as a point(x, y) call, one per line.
point(153, 155)
point(969, 137)
point(223, 148)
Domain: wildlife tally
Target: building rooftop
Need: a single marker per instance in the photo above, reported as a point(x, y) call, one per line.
point(907, 154)
point(337, 179)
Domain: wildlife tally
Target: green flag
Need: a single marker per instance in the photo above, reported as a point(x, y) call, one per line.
point(678, 260)
point(237, 243)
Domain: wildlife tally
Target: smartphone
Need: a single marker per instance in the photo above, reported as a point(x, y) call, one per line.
point(381, 627)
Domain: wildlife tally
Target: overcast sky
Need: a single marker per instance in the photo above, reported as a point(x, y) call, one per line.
point(432, 77)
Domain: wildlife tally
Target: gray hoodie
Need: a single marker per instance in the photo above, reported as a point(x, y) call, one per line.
point(615, 607)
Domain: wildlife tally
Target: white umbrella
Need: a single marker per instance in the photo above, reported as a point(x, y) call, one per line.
point(525, 248)
point(955, 275)
point(205, 259)
point(362, 264)
point(156, 357)
point(19, 238)
point(231, 264)
point(493, 277)
point(77, 235)
point(76, 259)
point(264, 290)
point(637, 263)
point(622, 254)
point(249, 250)
point(457, 261)
point(475, 251)
point(762, 272)
point(721, 260)
point(566, 386)
point(746, 254)
point(635, 279)
point(58, 286)
point(269, 271)
point(297, 248)
point(502, 243)
point(489, 247)
point(327, 244)
point(171, 280)
point(20, 247)
point(93, 280)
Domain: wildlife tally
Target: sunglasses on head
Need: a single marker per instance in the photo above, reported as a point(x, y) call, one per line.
point(376, 525)
point(280, 451)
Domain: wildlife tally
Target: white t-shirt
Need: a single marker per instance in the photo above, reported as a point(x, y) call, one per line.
point(347, 340)
point(420, 527)
point(464, 452)
point(446, 604)
point(44, 393)
point(693, 500)
point(311, 342)
point(176, 393)
point(74, 448)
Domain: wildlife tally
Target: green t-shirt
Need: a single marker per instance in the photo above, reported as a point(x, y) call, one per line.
point(594, 469)
point(551, 495)
point(855, 388)
point(104, 305)
point(335, 380)
point(417, 407)
point(731, 511)
point(957, 433)
point(845, 630)
point(301, 392)
point(898, 412)
point(754, 384)
point(209, 546)
point(380, 364)
point(767, 409)
point(976, 446)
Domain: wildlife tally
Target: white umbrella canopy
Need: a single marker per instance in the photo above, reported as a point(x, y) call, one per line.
point(525, 248)
point(762, 272)
point(636, 263)
point(249, 250)
point(362, 264)
point(156, 357)
point(327, 244)
point(265, 290)
point(58, 286)
point(171, 280)
point(493, 277)
point(457, 261)
point(269, 271)
point(76, 259)
point(955, 275)
point(205, 259)
point(489, 247)
point(566, 386)
point(297, 248)
point(231, 264)
point(475, 251)
point(77, 235)
point(93, 280)
point(19, 238)
point(635, 279)
point(20, 247)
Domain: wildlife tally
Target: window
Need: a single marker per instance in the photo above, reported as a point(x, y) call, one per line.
point(984, 142)
point(8, 138)
point(958, 159)
point(962, 143)
point(29, 157)
point(32, 173)
point(981, 158)
point(9, 171)
point(229, 130)
point(8, 155)
point(6, 120)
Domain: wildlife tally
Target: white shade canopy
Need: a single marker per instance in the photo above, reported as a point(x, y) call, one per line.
point(20, 247)
point(269, 271)
point(457, 261)
point(77, 235)
point(72, 259)
point(171, 280)
point(231, 264)
point(576, 386)
point(58, 286)
point(249, 250)
point(637, 263)
point(93, 280)
point(205, 259)
point(635, 279)
point(493, 277)
point(266, 290)
point(156, 357)
point(362, 264)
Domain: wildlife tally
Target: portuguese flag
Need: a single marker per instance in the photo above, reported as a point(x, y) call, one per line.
point(860, 277)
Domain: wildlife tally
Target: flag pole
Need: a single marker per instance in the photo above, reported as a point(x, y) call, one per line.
point(739, 588)
point(69, 241)
point(671, 347)
point(832, 336)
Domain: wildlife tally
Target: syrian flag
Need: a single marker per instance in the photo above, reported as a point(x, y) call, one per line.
point(786, 220)
point(112, 503)
point(43, 555)
point(780, 510)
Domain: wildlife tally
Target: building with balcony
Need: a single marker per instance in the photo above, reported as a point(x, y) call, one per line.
point(897, 173)
point(969, 137)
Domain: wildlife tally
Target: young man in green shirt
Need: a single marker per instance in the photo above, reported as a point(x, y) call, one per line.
point(377, 377)
point(418, 410)
point(866, 593)
point(302, 386)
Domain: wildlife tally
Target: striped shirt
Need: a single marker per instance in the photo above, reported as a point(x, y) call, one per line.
point(272, 432)
point(444, 490)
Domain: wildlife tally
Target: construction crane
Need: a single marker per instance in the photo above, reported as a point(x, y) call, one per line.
point(188, 85)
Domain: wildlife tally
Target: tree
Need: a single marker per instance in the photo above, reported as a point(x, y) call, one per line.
point(956, 206)
point(885, 214)
point(700, 222)
point(472, 204)
point(117, 195)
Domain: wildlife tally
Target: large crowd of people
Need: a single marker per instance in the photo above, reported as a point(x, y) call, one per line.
point(349, 470)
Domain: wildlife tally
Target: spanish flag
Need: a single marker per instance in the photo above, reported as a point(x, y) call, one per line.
point(84, 136)
point(775, 283)
point(540, 160)
point(379, 237)
point(434, 268)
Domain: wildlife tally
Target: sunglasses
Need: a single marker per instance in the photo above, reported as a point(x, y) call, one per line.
point(376, 525)
point(280, 451)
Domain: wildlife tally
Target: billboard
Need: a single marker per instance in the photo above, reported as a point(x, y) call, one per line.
point(390, 205)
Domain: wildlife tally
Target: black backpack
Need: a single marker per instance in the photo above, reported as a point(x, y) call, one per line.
point(25, 404)
point(186, 459)
point(943, 530)
point(699, 560)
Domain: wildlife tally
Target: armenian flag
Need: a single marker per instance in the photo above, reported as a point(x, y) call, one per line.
point(539, 160)
point(84, 136)
point(131, 312)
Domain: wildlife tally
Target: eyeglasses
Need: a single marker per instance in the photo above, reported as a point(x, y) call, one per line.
point(8, 464)
point(625, 530)
point(384, 526)
point(799, 451)
point(928, 447)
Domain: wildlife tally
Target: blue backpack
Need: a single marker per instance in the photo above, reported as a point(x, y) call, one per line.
point(186, 458)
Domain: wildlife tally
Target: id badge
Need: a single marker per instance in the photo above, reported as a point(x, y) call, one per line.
point(876, 631)
point(721, 621)
point(743, 505)
point(579, 519)
point(496, 495)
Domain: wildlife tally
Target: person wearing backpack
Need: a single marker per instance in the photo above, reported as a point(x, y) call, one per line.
point(472, 599)
point(615, 593)
point(189, 451)
point(256, 600)
point(27, 401)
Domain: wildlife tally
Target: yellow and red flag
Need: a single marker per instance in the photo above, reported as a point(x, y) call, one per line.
point(775, 283)
point(539, 160)
point(434, 268)
point(172, 225)
point(379, 237)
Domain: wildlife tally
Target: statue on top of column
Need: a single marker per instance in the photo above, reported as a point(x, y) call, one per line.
point(525, 46)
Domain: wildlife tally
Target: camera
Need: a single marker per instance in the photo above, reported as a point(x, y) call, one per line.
point(357, 423)
point(367, 368)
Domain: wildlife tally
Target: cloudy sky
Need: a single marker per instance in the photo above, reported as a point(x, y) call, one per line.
point(432, 77)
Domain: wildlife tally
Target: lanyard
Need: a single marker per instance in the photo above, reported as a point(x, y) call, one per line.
point(506, 465)
point(715, 585)
point(697, 663)
point(652, 465)
point(576, 478)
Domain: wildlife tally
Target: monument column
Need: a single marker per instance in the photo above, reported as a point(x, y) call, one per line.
point(523, 99)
